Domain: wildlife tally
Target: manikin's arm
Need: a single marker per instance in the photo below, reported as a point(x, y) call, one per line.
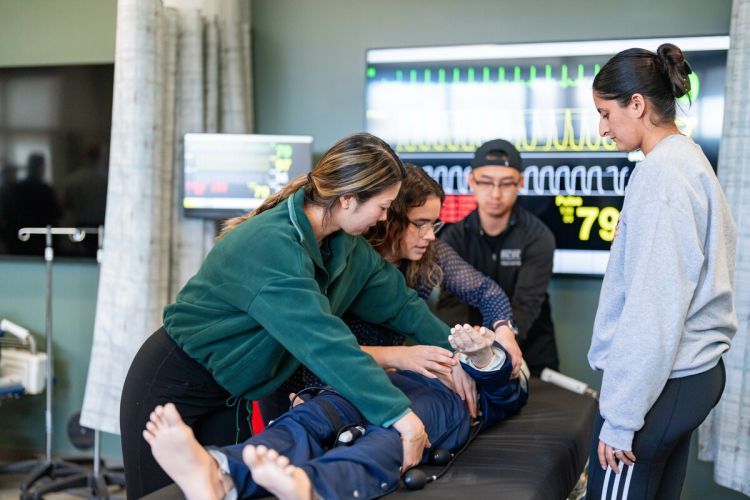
point(475, 343)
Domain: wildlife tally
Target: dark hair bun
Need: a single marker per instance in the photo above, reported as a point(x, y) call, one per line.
point(671, 61)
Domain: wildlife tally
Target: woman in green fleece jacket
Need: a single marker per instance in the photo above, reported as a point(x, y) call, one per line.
point(270, 296)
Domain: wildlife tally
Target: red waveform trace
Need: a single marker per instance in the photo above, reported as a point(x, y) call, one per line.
point(457, 207)
point(195, 188)
point(219, 187)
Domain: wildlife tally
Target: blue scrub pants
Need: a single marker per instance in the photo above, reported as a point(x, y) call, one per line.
point(369, 468)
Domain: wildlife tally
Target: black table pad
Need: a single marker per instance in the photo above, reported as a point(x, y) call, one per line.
point(538, 454)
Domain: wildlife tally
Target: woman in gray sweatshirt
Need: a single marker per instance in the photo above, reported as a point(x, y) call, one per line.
point(666, 312)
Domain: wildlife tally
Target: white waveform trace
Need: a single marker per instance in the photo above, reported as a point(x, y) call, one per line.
point(559, 179)
point(453, 179)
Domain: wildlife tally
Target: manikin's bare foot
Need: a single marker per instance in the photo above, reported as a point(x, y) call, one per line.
point(181, 456)
point(273, 472)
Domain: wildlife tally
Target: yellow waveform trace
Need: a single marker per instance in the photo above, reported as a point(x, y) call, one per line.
point(564, 143)
point(283, 164)
point(563, 130)
point(524, 144)
point(548, 144)
point(570, 132)
point(259, 190)
point(586, 139)
point(549, 133)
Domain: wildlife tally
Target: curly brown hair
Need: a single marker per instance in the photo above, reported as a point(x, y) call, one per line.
point(386, 236)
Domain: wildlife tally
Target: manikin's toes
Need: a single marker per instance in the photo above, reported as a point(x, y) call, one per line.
point(273, 472)
point(181, 456)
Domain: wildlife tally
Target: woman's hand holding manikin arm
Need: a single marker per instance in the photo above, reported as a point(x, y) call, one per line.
point(432, 362)
point(506, 337)
point(426, 360)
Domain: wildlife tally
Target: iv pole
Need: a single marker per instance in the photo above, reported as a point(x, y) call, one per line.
point(63, 474)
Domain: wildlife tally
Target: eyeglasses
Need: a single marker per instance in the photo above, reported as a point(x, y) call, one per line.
point(424, 227)
point(506, 186)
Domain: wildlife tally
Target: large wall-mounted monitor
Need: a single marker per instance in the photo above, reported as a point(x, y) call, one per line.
point(229, 174)
point(55, 124)
point(436, 105)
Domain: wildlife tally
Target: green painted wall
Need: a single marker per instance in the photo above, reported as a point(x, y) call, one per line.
point(309, 78)
point(41, 32)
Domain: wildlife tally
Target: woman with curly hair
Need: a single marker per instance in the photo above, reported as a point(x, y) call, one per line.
point(407, 240)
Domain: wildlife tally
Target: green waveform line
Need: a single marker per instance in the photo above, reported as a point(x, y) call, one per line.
point(582, 76)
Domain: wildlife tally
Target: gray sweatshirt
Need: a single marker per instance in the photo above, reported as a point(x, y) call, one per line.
point(666, 308)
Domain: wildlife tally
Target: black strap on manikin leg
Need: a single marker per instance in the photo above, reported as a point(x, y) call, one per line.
point(333, 415)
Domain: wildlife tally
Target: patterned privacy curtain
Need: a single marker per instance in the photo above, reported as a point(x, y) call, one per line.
point(725, 436)
point(178, 69)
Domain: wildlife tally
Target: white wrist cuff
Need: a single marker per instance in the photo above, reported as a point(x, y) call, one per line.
point(498, 360)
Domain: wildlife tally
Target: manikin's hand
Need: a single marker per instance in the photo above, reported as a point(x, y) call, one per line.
point(474, 342)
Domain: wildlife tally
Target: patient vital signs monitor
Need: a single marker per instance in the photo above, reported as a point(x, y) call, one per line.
point(229, 174)
point(436, 105)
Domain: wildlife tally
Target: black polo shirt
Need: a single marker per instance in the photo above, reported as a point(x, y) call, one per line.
point(520, 260)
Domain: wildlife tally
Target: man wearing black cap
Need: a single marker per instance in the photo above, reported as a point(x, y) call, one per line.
point(512, 246)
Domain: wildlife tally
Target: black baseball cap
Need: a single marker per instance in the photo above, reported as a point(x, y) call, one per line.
point(493, 149)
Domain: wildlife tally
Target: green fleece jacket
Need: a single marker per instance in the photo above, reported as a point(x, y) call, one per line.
point(266, 298)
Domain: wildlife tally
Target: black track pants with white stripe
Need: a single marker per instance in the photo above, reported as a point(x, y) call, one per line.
point(661, 447)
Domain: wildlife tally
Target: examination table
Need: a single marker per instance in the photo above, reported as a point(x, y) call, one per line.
point(537, 454)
